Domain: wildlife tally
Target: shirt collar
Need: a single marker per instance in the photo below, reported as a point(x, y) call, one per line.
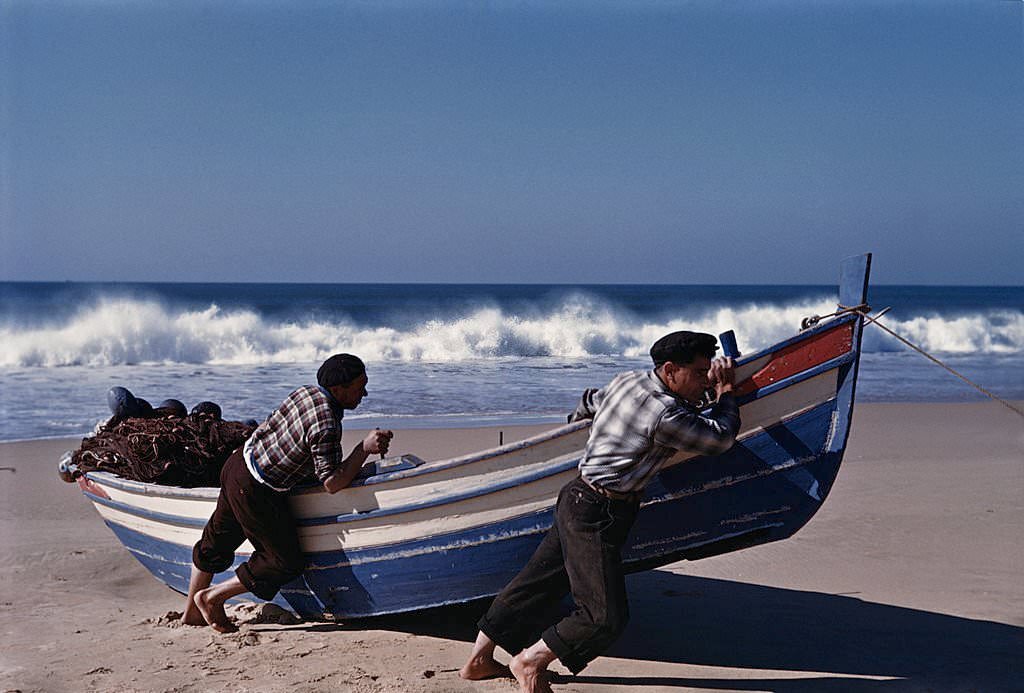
point(338, 410)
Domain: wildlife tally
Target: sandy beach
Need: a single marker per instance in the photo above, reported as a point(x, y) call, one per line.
point(910, 578)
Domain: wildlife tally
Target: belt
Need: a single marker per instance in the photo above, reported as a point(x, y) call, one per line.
point(613, 495)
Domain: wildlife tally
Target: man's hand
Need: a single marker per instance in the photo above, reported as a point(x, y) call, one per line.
point(722, 375)
point(377, 441)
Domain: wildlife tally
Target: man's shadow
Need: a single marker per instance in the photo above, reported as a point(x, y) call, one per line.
point(710, 622)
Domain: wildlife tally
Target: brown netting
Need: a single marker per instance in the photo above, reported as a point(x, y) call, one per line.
point(169, 450)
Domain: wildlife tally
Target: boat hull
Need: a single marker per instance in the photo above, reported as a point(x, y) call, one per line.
point(431, 534)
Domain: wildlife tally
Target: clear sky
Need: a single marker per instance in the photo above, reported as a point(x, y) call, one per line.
point(659, 141)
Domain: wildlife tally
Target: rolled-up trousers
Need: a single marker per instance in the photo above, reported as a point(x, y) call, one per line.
point(581, 555)
point(247, 509)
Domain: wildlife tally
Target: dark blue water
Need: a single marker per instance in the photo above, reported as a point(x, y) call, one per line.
point(447, 355)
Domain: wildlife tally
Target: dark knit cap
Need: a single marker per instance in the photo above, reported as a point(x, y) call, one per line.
point(211, 409)
point(340, 369)
point(683, 346)
point(174, 407)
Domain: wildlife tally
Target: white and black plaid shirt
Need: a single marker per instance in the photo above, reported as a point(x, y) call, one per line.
point(299, 443)
point(639, 424)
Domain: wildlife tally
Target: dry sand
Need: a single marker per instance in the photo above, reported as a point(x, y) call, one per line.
point(911, 577)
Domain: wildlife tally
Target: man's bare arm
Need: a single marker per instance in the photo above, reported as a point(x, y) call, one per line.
point(377, 441)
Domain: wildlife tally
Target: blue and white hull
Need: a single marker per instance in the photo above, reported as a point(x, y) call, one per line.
point(420, 534)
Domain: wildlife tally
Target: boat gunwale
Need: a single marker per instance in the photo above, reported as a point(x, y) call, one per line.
point(554, 470)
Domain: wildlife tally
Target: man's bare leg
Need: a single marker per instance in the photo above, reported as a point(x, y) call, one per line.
point(198, 580)
point(210, 602)
point(530, 668)
point(482, 664)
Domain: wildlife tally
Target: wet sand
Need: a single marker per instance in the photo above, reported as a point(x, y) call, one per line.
point(910, 578)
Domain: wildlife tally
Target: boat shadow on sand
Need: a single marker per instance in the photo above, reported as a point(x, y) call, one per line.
point(835, 638)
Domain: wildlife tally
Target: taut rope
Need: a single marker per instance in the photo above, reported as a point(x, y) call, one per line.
point(863, 310)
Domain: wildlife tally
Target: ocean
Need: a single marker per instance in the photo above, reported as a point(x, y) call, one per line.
point(447, 355)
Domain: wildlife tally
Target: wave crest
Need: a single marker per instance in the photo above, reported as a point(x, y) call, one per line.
point(128, 331)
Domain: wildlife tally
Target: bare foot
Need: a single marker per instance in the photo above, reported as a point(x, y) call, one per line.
point(531, 679)
point(213, 612)
point(481, 668)
point(193, 616)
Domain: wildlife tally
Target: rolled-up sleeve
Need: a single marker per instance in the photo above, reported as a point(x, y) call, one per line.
point(326, 451)
point(709, 434)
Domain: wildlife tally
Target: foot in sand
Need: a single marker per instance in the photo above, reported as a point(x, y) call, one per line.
point(193, 616)
point(531, 678)
point(481, 668)
point(213, 612)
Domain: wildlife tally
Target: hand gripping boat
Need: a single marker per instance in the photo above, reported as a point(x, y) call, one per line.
point(411, 534)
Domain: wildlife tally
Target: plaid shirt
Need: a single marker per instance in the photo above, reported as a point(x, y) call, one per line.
point(639, 424)
point(299, 442)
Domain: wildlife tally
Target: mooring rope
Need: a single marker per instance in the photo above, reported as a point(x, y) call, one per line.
point(863, 310)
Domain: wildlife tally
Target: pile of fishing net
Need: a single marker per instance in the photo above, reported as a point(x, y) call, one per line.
point(172, 450)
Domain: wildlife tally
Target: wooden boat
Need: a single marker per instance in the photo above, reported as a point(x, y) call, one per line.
point(412, 534)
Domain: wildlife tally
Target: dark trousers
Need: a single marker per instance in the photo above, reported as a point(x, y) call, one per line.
point(580, 555)
point(247, 509)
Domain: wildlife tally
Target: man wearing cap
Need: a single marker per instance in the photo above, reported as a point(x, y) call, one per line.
point(640, 420)
point(299, 443)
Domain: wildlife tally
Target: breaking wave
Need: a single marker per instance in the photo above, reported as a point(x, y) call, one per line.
point(133, 331)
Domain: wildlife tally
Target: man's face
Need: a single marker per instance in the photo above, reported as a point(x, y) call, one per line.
point(689, 381)
point(349, 396)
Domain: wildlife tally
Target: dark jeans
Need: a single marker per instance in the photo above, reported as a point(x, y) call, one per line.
point(246, 509)
point(582, 555)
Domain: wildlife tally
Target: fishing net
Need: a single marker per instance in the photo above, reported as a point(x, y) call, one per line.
point(170, 450)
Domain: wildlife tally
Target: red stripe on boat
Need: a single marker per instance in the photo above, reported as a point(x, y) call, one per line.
point(800, 357)
point(90, 486)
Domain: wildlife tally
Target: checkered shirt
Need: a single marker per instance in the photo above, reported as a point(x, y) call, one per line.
point(299, 442)
point(639, 424)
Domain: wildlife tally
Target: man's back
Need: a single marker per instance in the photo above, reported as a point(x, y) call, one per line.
point(300, 441)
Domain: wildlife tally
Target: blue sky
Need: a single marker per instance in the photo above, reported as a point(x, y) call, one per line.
point(663, 142)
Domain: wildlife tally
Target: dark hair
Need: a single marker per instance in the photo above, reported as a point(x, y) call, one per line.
point(340, 369)
point(682, 347)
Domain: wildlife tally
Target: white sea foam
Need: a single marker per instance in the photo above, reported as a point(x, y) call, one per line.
point(131, 331)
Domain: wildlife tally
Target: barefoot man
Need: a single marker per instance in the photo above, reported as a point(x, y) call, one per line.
point(641, 419)
point(300, 442)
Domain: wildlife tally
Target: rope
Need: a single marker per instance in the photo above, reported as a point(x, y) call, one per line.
point(863, 309)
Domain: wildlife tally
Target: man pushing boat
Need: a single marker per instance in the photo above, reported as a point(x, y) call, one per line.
point(640, 420)
point(299, 442)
